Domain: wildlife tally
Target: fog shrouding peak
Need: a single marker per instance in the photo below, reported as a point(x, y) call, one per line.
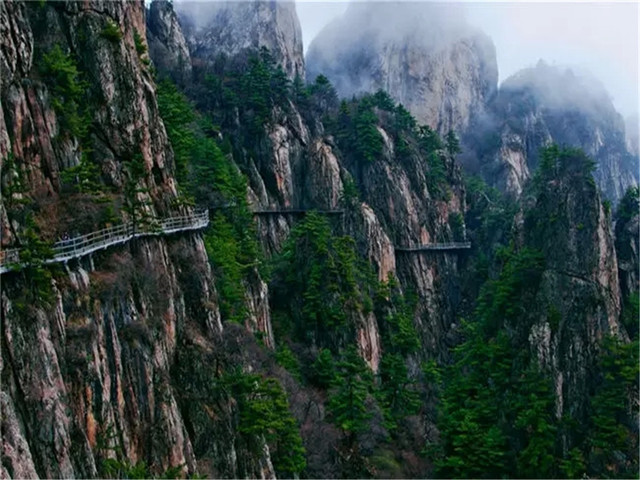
point(601, 37)
point(425, 55)
point(557, 87)
point(428, 24)
point(234, 28)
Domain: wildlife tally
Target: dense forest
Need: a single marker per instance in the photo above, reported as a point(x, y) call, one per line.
point(492, 403)
point(311, 340)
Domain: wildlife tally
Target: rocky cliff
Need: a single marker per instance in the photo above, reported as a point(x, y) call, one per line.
point(442, 70)
point(299, 334)
point(545, 104)
point(89, 349)
point(167, 45)
point(234, 29)
point(627, 232)
point(578, 299)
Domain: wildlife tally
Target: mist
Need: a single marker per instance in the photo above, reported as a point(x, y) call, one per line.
point(563, 88)
point(348, 50)
point(588, 37)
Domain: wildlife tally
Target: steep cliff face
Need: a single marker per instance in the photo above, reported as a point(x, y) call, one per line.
point(234, 29)
point(578, 298)
point(546, 104)
point(132, 354)
point(439, 68)
point(88, 350)
point(627, 230)
point(632, 126)
point(167, 45)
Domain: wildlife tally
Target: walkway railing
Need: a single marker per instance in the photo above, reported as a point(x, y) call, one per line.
point(436, 246)
point(76, 247)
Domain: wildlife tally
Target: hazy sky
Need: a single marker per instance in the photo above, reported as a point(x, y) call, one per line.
point(600, 37)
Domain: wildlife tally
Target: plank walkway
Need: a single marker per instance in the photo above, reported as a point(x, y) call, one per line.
point(83, 245)
point(435, 247)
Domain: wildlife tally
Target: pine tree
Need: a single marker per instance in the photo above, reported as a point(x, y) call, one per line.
point(368, 140)
point(613, 442)
point(323, 370)
point(397, 394)
point(347, 403)
point(452, 143)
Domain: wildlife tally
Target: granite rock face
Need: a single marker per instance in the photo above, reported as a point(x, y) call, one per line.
point(123, 353)
point(167, 45)
point(543, 105)
point(565, 219)
point(236, 29)
point(443, 71)
point(87, 371)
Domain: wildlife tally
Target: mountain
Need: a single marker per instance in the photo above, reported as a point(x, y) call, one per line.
point(233, 29)
point(87, 349)
point(545, 104)
point(167, 45)
point(438, 67)
point(355, 306)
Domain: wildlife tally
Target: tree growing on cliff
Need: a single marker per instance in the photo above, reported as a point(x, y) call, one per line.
point(60, 73)
point(397, 393)
point(613, 439)
point(347, 400)
point(452, 143)
point(320, 282)
point(629, 204)
point(136, 203)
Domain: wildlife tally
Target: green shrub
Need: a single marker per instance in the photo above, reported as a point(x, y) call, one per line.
point(286, 359)
point(141, 48)
point(67, 88)
point(111, 32)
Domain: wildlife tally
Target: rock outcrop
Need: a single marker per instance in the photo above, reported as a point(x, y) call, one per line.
point(235, 29)
point(545, 104)
point(88, 350)
point(167, 45)
point(443, 71)
point(578, 300)
point(627, 231)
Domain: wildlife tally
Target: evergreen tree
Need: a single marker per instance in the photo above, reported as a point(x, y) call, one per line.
point(84, 177)
point(452, 143)
point(347, 401)
point(323, 370)
point(323, 94)
point(629, 205)
point(613, 442)
point(368, 140)
point(429, 140)
point(68, 89)
point(323, 281)
point(397, 394)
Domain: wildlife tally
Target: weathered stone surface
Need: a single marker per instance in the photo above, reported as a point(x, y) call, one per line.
point(167, 45)
point(578, 300)
point(91, 369)
point(440, 69)
point(234, 29)
point(545, 104)
point(628, 254)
